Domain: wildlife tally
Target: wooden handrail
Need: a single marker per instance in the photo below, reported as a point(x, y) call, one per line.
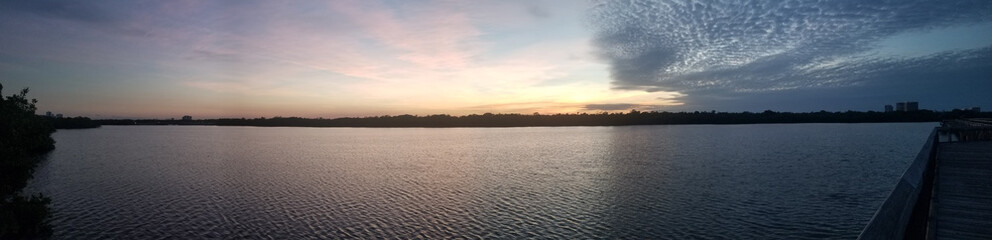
point(892, 219)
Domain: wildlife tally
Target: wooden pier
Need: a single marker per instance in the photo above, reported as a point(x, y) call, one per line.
point(947, 191)
point(962, 200)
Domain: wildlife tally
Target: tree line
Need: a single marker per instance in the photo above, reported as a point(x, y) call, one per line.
point(73, 123)
point(633, 117)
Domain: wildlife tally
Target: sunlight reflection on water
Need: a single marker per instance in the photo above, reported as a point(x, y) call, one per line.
point(714, 181)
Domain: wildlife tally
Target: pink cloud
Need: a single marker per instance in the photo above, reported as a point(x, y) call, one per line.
point(437, 35)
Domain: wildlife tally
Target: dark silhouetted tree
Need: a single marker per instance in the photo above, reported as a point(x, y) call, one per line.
point(23, 137)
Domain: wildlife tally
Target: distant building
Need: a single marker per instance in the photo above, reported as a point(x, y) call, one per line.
point(58, 115)
point(187, 118)
point(907, 106)
point(48, 114)
point(912, 106)
point(888, 108)
point(976, 109)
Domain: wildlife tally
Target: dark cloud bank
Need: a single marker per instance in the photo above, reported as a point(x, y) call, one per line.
point(790, 55)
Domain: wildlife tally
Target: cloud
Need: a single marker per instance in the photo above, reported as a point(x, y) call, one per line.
point(538, 11)
point(107, 18)
point(619, 107)
point(942, 81)
point(70, 10)
point(723, 53)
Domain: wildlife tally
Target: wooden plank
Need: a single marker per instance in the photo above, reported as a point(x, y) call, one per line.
point(963, 194)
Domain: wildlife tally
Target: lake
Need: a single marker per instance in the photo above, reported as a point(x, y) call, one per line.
point(767, 181)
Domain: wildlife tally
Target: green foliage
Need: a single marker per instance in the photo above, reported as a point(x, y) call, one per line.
point(23, 136)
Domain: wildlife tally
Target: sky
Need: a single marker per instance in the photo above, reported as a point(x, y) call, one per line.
point(211, 59)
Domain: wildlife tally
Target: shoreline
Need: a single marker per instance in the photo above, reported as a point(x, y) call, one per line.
point(632, 118)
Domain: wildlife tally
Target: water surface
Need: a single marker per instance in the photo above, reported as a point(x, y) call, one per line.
point(786, 181)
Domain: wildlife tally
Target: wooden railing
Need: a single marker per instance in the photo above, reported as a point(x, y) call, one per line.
point(904, 214)
point(965, 130)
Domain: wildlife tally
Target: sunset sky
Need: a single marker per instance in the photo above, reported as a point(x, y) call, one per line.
point(209, 59)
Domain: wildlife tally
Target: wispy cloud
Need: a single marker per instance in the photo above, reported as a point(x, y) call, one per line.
point(451, 56)
point(412, 56)
point(725, 52)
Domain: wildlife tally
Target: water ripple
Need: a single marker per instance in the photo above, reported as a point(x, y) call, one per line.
point(799, 181)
